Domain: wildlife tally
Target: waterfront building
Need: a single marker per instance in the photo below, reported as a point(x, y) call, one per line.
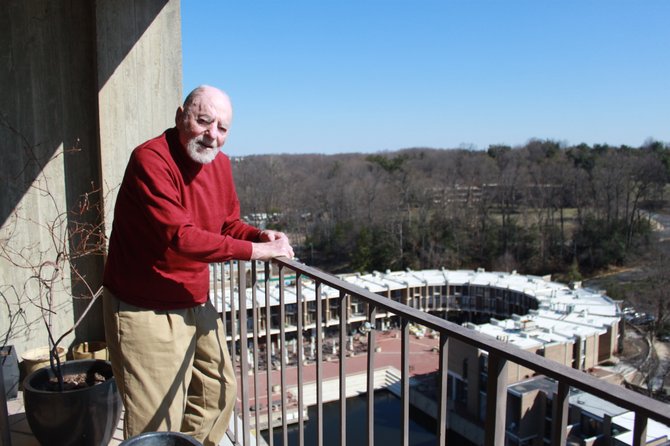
point(572, 325)
point(575, 326)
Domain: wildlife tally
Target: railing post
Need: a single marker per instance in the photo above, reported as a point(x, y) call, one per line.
point(560, 416)
point(319, 365)
point(298, 301)
point(404, 380)
point(496, 401)
point(442, 409)
point(640, 430)
point(244, 353)
point(215, 290)
point(343, 369)
point(268, 348)
point(372, 314)
point(284, 354)
point(233, 329)
point(256, 324)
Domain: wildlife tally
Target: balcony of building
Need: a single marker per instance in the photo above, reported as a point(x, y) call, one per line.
point(394, 340)
point(296, 332)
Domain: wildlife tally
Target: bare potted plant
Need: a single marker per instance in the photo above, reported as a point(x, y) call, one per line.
point(72, 402)
point(75, 402)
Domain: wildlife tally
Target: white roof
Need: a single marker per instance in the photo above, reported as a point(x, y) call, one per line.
point(655, 430)
point(564, 313)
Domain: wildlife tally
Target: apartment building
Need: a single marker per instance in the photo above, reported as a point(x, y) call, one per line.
point(571, 325)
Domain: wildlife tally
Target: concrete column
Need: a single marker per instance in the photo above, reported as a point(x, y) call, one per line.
point(84, 82)
point(139, 80)
point(577, 353)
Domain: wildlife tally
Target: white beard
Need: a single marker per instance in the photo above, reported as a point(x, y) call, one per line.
point(199, 153)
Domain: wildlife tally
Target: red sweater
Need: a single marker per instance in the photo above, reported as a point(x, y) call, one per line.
point(173, 217)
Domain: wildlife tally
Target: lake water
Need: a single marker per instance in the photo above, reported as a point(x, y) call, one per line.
point(388, 412)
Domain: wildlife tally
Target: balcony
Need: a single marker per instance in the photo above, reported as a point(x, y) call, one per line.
point(300, 377)
point(292, 345)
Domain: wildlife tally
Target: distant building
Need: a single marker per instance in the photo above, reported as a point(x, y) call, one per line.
point(574, 326)
point(591, 420)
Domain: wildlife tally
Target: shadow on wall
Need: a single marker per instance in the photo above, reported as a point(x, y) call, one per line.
point(56, 56)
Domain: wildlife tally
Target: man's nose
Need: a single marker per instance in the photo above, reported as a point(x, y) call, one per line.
point(213, 131)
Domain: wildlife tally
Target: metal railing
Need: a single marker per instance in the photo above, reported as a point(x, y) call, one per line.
point(252, 340)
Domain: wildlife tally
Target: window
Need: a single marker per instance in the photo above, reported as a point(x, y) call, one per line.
point(461, 391)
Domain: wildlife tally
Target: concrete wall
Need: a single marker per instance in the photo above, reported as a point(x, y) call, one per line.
point(516, 372)
point(607, 343)
point(83, 83)
point(591, 351)
point(559, 352)
point(531, 415)
point(139, 80)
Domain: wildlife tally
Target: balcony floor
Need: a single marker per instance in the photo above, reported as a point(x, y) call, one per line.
point(21, 434)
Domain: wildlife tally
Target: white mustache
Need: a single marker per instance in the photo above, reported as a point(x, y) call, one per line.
point(210, 145)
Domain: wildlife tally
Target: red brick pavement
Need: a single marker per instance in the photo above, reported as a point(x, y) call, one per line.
point(423, 358)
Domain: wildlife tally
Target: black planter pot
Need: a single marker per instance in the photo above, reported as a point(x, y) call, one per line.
point(82, 417)
point(10, 371)
point(161, 439)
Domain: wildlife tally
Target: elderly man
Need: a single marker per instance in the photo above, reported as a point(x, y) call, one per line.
point(176, 212)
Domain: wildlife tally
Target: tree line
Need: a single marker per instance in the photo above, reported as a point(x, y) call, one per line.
point(539, 208)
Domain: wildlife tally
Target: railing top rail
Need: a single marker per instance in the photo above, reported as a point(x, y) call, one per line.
point(616, 394)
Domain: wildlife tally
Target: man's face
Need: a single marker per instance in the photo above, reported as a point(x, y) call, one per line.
point(203, 125)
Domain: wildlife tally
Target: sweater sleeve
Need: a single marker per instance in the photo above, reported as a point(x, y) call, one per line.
point(159, 193)
point(238, 229)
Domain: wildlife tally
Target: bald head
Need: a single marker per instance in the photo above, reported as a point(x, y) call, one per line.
point(206, 91)
point(203, 122)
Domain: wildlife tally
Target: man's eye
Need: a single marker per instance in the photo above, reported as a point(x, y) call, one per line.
point(223, 129)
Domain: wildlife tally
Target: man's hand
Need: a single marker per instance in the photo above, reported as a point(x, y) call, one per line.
point(273, 244)
point(269, 235)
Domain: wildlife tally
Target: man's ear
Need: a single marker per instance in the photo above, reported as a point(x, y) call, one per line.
point(179, 116)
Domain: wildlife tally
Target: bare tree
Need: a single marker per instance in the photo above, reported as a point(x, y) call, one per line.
point(52, 265)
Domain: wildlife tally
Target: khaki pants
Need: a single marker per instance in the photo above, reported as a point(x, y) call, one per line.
point(172, 368)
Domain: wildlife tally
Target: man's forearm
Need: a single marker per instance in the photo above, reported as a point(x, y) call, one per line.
point(277, 247)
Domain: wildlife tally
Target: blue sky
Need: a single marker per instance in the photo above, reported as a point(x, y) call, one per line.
point(326, 76)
